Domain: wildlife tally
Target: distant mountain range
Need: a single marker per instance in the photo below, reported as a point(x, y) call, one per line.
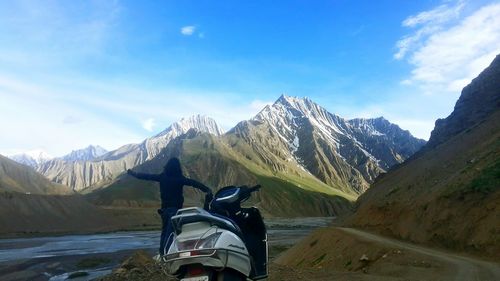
point(89, 153)
point(32, 158)
point(102, 170)
point(447, 194)
point(310, 161)
point(292, 137)
point(37, 158)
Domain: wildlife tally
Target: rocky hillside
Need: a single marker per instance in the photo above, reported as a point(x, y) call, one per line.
point(448, 194)
point(211, 160)
point(292, 135)
point(16, 177)
point(477, 102)
point(348, 154)
point(306, 156)
point(101, 171)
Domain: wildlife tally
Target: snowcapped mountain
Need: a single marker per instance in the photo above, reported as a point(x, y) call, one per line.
point(89, 153)
point(340, 152)
point(99, 171)
point(199, 123)
point(32, 158)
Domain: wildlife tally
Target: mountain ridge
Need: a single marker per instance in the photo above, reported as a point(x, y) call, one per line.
point(100, 171)
point(447, 194)
point(336, 150)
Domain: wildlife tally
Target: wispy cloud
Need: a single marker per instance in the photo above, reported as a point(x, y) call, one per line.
point(66, 112)
point(427, 23)
point(448, 49)
point(438, 15)
point(188, 30)
point(149, 124)
point(55, 31)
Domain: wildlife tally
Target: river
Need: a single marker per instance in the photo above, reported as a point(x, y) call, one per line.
point(56, 258)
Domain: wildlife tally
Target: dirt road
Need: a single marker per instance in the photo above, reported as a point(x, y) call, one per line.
point(461, 268)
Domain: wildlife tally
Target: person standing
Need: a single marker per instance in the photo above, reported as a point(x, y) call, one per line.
point(171, 182)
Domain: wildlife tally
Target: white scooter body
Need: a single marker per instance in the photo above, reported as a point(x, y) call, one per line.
point(204, 239)
point(209, 246)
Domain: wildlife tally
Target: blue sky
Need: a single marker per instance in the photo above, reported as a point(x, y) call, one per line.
point(115, 72)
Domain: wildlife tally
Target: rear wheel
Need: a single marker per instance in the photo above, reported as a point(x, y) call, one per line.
point(229, 275)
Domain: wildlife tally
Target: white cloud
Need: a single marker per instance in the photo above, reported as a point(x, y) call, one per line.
point(149, 124)
point(63, 109)
point(188, 30)
point(449, 49)
point(438, 15)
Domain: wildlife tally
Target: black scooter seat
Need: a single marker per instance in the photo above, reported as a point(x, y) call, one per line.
point(196, 215)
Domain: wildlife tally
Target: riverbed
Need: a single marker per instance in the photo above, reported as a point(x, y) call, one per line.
point(56, 258)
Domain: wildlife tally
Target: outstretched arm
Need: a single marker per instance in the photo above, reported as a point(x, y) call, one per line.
point(142, 176)
point(208, 196)
point(197, 185)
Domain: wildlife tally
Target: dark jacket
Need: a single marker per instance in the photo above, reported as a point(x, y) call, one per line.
point(171, 188)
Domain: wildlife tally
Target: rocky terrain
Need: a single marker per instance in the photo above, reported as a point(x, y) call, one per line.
point(343, 153)
point(209, 160)
point(449, 193)
point(347, 254)
point(342, 254)
point(295, 148)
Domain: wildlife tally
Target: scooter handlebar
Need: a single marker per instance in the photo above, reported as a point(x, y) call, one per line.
point(255, 188)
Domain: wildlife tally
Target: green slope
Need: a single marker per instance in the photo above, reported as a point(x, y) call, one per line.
point(213, 161)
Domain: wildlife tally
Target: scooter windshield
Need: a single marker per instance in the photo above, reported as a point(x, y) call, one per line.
point(228, 194)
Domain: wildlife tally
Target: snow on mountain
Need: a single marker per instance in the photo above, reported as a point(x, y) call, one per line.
point(89, 153)
point(369, 146)
point(287, 114)
point(199, 123)
point(102, 169)
point(32, 158)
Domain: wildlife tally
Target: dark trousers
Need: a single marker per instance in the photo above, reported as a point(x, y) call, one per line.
point(167, 231)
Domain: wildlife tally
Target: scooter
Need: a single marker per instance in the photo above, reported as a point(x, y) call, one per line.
point(223, 242)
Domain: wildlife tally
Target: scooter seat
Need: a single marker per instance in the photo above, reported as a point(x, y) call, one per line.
point(190, 215)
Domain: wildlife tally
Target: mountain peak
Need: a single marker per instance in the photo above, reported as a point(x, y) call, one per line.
point(198, 122)
point(294, 107)
point(85, 154)
point(478, 100)
point(293, 100)
point(32, 158)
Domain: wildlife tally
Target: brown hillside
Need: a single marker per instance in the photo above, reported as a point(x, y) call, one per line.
point(21, 178)
point(22, 214)
point(448, 195)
